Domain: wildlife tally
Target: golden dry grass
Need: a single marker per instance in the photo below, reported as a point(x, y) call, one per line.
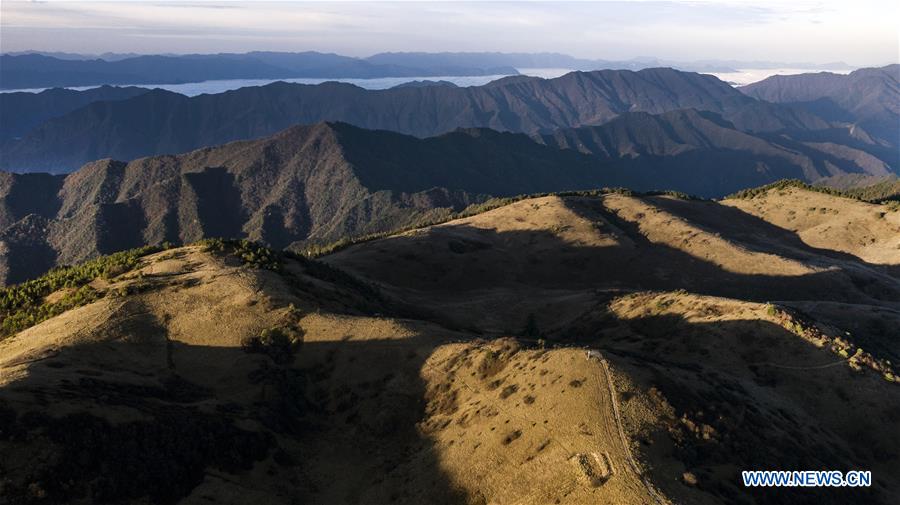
point(868, 231)
point(430, 392)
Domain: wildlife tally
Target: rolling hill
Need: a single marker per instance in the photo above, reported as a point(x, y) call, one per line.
point(445, 361)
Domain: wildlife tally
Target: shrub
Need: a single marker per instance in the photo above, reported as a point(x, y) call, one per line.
point(508, 391)
point(23, 306)
point(250, 253)
point(511, 437)
point(674, 194)
point(886, 192)
point(277, 343)
point(664, 304)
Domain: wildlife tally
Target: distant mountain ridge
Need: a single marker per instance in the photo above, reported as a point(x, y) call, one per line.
point(701, 153)
point(329, 181)
point(39, 71)
point(482, 59)
point(868, 98)
point(541, 60)
point(161, 122)
point(24, 111)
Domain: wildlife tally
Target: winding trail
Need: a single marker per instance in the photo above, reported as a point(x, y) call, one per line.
point(651, 489)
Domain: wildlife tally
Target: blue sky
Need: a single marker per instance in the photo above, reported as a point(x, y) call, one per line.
point(859, 32)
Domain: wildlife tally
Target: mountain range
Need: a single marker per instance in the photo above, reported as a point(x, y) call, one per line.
point(40, 71)
point(161, 122)
point(868, 98)
point(542, 60)
point(615, 286)
point(322, 183)
point(392, 158)
point(23, 111)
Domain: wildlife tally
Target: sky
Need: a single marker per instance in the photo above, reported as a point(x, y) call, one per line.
point(858, 32)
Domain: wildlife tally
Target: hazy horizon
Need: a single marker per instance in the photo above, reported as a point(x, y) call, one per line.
point(815, 32)
point(637, 59)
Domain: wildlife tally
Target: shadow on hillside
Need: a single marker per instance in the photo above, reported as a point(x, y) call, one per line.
point(217, 200)
point(737, 408)
point(120, 225)
point(338, 423)
point(454, 260)
point(32, 193)
point(335, 424)
point(881, 150)
point(750, 231)
point(697, 171)
point(754, 233)
point(26, 258)
point(772, 418)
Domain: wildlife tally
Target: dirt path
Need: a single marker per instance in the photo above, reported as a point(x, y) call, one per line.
point(623, 439)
